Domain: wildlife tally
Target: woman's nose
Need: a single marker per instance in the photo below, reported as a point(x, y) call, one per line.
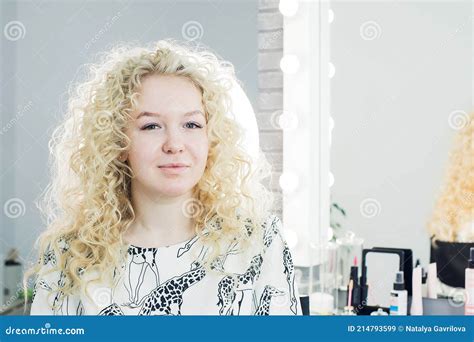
point(174, 142)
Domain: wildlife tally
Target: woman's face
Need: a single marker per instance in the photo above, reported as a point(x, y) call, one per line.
point(168, 127)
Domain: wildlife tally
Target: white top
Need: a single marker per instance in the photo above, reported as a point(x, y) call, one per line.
point(171, 281)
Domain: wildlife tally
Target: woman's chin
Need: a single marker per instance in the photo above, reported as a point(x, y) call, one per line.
point(174, 192)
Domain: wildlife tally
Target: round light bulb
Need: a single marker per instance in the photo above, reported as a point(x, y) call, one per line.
point(289, 64)
point(332, 70)
point(291, 237)
point(330, 15)
point(287, 121)
point(288, 181)
point(288, 7)
point(331, 123)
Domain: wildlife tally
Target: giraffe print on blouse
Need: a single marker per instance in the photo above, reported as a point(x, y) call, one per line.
point(243, 291)
point(290, 276)
point(226, 290)
point(49, 257)
point(160, 300)
point(187, 246)
point(265, 300)
point(111, 310)
point(144, 258)
point(270, 232)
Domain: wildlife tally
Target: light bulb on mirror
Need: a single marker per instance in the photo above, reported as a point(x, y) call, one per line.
point(291, 237)
point(287, 121)
point(330, 16)
point(288, 7)
point(331, 123)
point(331, 179)
point(288, 181)
point(331, 70)
point(289, 64)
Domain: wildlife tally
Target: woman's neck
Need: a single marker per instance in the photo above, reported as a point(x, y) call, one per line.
point(159, 221)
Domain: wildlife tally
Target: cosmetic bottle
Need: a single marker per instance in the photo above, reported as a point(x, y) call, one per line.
point(424, 277)
point(379, 312)
point(356, 290)
point(349, 246)
point(469, 304)
point(424, 285)
point(432, 281)
point(416, 308)
point(348, 311)
point(398, 296)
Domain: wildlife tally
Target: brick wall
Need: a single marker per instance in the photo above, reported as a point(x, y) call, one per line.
point(270, 90)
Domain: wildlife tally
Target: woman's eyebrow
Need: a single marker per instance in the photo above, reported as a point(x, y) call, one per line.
point(193, 112)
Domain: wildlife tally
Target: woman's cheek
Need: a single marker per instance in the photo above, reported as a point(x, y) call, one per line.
point(205, 151)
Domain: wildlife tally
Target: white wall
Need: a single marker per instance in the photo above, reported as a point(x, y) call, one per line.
point(391, 98)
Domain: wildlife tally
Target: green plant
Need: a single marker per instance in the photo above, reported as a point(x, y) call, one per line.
point(335, 211)
point(29, 294)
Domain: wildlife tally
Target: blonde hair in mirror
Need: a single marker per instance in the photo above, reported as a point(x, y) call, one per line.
point(454, 208)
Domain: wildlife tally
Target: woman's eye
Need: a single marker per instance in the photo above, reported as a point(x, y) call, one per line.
point(192, 123)
point(148, 127)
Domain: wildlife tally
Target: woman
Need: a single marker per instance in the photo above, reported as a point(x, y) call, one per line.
point(453, 216)
point(154, 207)
point(452, 223)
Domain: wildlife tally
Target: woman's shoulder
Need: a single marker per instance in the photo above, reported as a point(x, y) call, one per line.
point(50, 256)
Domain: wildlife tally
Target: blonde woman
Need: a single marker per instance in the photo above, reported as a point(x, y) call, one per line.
point(452, 224)
point(453, 217)
point(154, 207)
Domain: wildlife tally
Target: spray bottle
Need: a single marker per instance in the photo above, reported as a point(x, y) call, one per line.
point(398, 297)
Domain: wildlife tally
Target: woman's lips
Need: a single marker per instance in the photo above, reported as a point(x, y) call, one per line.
point(173, 169)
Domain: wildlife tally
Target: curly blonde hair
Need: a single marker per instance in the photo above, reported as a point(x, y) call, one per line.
point(88, 206)
point(455, 205)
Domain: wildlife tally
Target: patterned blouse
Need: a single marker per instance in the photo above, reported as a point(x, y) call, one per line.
point(171, 281)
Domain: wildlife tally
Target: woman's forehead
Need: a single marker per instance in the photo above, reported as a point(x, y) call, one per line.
point(160, 94)
point(170, 85)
